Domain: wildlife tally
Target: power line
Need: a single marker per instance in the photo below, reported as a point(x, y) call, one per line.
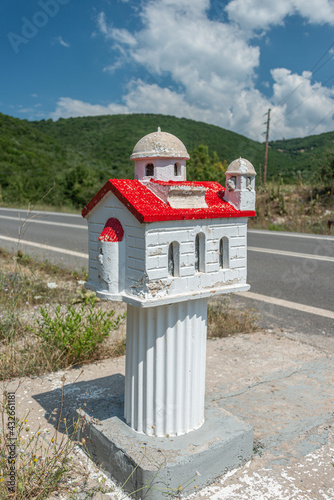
point(326, 52)
point(323, 119)
point(284, 100)
point(302, 102)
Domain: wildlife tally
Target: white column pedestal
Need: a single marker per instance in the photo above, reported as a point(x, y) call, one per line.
point(165, 368)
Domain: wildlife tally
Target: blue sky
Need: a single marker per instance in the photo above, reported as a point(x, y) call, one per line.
point(222, 62)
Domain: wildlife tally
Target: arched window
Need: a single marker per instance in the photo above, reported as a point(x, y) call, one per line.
point(173, 259)
point(149, 170)
point(177, 169)
point(224, 253)
point(200, 253)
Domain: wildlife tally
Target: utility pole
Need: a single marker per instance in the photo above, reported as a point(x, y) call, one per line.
point(266, 150)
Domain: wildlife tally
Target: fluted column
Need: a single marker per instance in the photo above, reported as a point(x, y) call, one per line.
point(165, 368)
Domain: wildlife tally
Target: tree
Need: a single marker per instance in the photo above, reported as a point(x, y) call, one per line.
point(203, 167)
point(79, 186)
point(326, 171)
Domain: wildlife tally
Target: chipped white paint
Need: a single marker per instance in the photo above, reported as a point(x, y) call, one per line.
point(110, 265)
point(165, 368)
point(306, 480)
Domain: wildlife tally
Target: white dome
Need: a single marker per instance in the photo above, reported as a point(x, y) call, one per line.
point(241, 166)
point(159, 145)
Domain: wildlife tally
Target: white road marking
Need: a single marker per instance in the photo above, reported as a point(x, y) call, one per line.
point(286, 303)
point(37, 221)
point(45, 247)
point(251, 295)
point(292, 235)
point(39, 212)
point(291, 254)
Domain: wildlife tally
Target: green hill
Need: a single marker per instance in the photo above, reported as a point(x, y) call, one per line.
point(75, 156)
point(304, 154)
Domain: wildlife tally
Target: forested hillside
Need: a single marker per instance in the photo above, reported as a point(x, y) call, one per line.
point(73, 157)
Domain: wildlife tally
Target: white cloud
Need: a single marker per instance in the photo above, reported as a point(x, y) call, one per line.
point(60, 40)
point(305, 108)
point(67, 107)
point(209, 60)
point(260, 14)
point(151, 98)
point(213, 68)
point(102, 24)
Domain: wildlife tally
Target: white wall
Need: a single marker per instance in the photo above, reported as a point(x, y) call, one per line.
point(160, 234)
point(163, 169)
point(131, 254)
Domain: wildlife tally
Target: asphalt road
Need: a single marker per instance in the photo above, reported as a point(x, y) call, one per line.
point(294, 268)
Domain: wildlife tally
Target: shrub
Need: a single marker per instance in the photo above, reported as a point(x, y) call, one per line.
point(78, 332)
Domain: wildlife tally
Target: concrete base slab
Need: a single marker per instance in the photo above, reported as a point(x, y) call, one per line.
point(157, 468)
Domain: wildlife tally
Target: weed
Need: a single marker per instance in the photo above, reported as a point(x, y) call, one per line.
point(226, 319)
point(77, 333)
point(33, 464)
point(293, 208)
point(25, 287)
point(258, 448)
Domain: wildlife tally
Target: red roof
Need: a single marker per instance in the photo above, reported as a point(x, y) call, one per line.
point(112, 231)
point(147, 207)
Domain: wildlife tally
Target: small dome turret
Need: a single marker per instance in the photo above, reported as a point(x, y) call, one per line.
point(160, 156)
point(240, 184)
point(241, 167)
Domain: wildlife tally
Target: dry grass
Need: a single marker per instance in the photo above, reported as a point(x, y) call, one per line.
point(226, 318)
point(27, 286)
point(302, 209)
point(36, 463)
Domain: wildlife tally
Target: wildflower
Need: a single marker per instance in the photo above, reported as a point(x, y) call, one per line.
point(35, 460)
point(197, 473)
point(52, 440)
point(52, 285)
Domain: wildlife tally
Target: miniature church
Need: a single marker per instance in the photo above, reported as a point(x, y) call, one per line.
point(164, 246)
